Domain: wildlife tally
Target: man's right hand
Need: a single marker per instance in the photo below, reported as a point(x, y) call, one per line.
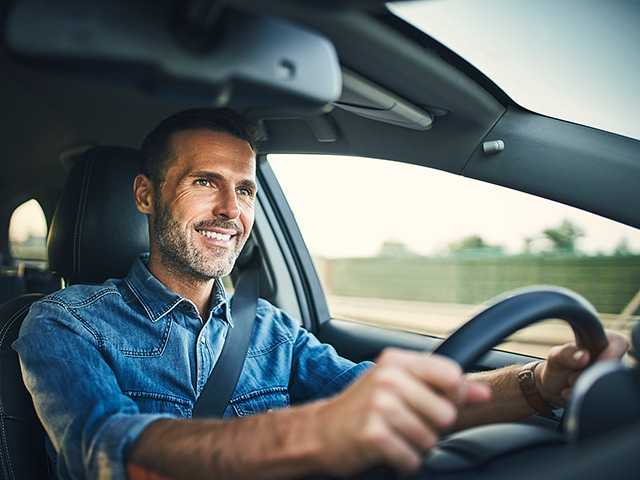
point(393, 413)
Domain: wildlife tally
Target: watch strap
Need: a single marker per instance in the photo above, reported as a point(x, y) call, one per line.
point(529, 388)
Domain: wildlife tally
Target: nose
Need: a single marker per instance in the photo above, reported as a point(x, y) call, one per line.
point(226, 205)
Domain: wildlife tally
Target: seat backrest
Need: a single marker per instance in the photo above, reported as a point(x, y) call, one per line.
point(11, 286)
point(22, 450)
point(95, 234)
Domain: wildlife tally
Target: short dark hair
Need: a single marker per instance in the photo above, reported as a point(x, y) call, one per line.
point(155, 146)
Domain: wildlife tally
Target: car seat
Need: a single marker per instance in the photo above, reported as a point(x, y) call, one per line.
point(96, 234)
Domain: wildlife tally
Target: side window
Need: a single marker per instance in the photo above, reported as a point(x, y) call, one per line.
point(416, 249)
point(28, 234)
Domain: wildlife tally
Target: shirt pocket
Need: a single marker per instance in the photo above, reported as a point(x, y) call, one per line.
point(150, 402)
point(257, 401)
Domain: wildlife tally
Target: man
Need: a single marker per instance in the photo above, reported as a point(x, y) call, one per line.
point(115, 369)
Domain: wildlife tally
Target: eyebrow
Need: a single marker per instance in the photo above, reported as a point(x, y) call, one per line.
point(216, 176)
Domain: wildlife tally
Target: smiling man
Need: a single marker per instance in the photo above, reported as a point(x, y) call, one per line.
point(199, 194)
point(115, 369)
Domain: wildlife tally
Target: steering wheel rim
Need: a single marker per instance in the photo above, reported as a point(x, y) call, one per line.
point(518, 309)
point(505, 315)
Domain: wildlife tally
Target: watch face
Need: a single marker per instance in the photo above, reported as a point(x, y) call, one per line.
point(526, 376)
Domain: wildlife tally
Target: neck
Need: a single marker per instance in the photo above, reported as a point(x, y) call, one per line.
point(196, 289)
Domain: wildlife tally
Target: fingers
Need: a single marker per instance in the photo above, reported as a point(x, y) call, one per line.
point(565, 363)
point(422, 400)
point(396, 452)
point(407, 423)
point(568, 356)
point(439, 372)
point(618, 346)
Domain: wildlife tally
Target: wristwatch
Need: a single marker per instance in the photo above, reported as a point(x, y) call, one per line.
point(527, 382)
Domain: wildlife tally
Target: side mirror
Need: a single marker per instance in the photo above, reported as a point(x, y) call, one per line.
point(257, 62)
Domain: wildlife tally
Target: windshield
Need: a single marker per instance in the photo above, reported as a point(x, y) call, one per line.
point(576, 60)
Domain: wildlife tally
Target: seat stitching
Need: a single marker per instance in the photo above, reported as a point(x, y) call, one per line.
point(11, 321)
point(80, 218)
point(5, 445)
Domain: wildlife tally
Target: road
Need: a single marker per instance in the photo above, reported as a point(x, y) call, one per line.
point(442, 318)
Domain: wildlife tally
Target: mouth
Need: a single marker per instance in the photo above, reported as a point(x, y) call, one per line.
point(218, 236)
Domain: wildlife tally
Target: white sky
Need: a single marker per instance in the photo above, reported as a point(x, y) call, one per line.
point(27, 219)
point(577, 60)
point(347, 206)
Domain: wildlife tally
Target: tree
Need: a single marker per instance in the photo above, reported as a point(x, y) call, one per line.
point(474, 244)
point(622, 249)
point(564, 237)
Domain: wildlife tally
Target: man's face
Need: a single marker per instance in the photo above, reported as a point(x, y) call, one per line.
point(204, 210)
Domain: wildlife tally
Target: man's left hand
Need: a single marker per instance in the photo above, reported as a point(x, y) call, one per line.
point(557, 375)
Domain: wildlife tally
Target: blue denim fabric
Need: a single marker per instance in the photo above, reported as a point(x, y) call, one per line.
point(103, 361)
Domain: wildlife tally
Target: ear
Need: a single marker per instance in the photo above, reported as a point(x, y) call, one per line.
point(143, 193)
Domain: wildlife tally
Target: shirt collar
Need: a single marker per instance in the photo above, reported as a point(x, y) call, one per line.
point(157, 300)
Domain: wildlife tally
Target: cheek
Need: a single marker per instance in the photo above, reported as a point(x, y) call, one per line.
point(247, 218)
point(189, 207)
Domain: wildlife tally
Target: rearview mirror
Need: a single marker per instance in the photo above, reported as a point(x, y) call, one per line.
point(255, 62)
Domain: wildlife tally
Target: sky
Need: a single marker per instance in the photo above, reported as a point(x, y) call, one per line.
point(576, 60)
point(366, 202)
point(27, 219)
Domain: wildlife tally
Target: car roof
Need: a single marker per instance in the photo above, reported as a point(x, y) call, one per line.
point(55, 113)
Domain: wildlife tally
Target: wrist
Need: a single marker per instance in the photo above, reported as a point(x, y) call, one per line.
point(302, 435)
point(316, 421)
point(529, 380)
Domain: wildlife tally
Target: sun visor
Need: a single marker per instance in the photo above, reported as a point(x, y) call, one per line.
point(246, 61)
point(367, 100)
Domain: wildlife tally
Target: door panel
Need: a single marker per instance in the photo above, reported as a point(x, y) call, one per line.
point(364, 342)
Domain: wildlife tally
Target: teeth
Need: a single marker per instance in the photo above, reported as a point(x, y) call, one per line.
point(215, 236)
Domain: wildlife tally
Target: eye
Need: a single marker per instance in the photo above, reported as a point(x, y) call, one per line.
point(246, 191)
point(202, 182)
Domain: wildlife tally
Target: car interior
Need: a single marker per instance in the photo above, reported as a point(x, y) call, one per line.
point(83, 82)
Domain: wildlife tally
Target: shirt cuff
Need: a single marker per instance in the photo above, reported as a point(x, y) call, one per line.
point(109, 454)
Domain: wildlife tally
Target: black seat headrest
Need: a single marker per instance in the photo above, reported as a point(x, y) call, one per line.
point(97, 232)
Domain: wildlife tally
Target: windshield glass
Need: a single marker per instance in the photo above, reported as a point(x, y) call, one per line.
point(576, 60)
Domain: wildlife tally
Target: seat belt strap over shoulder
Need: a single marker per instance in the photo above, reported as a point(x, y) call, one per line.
point(221, 384)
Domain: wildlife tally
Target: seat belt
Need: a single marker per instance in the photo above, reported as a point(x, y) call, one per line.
point(221, 384)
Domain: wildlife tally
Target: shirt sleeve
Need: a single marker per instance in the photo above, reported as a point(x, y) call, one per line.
point(318, 371)
point(88, 419)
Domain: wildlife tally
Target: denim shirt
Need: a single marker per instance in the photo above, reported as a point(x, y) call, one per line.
point(103, 361)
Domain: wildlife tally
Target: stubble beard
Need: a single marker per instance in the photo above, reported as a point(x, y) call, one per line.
point(180, 254)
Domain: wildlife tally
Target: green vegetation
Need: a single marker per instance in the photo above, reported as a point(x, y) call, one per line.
point(609, 282)
point(472, 271)
point(564, 237)
point(474, 245)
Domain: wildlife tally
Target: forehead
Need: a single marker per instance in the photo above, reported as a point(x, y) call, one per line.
point(203, 149)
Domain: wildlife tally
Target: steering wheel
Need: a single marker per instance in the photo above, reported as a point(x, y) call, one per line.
point(518, 309)
point(506, 315)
